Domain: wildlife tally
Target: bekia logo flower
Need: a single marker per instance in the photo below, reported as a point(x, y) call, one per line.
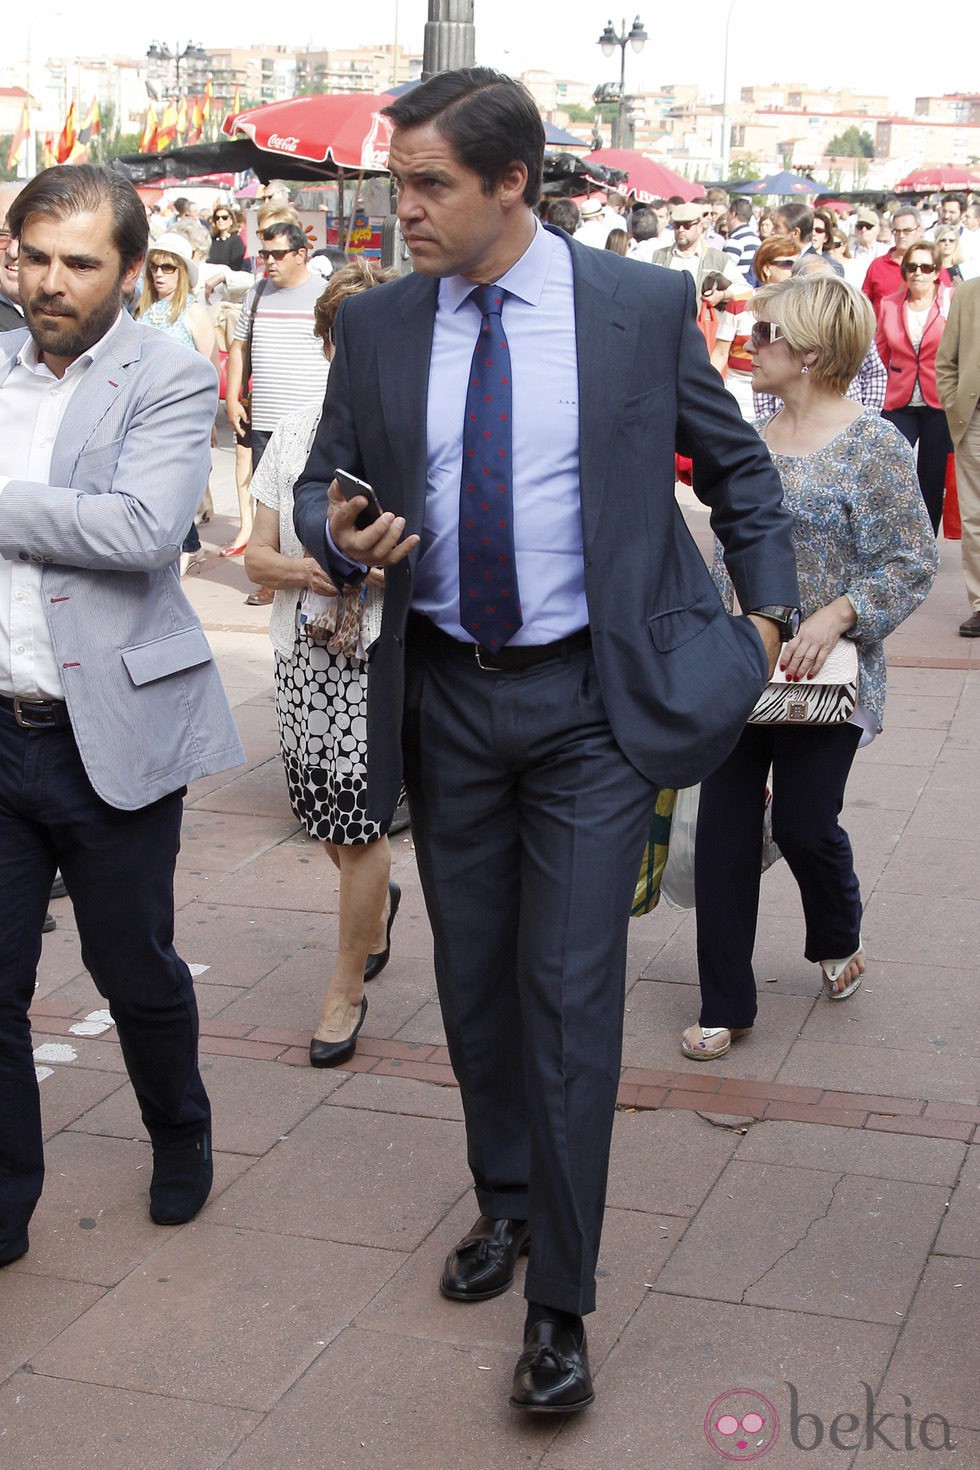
point(741, 1425)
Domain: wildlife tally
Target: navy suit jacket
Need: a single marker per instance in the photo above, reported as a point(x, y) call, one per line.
point(678, 674)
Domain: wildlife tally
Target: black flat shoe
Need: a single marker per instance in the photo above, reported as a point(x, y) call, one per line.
point(375, 963)
point(482, 1265)
point(182, 1177)
point(552, 1374)
point(335, 1053)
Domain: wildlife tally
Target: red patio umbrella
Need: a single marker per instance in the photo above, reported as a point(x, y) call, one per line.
point(647, 179)
point(938, 176)
point(346, 129)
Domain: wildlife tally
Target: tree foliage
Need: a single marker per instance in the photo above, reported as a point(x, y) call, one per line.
point(851, 143)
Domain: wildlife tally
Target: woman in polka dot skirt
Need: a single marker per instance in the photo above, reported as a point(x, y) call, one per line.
point(321, 701)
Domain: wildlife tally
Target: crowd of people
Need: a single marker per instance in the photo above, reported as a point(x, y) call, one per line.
point(514, 625)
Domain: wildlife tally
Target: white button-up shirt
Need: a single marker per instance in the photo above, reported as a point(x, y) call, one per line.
point(33, 402)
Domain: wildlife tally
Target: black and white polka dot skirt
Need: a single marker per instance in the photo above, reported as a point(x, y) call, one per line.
point(321, 702)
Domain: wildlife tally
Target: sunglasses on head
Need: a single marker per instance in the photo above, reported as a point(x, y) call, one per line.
point(925, 266)
point(764, 334)
point(275, 254)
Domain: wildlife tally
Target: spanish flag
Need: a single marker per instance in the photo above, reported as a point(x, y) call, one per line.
point(68, 141)
point(167, 130)
point(182, 118)
point(91, 123)
point(208, 99)
point(48, 159)
point(148, 138)
point(196, 127)
point(18, 143)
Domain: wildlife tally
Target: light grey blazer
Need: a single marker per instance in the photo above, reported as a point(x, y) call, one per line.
point(128, 471)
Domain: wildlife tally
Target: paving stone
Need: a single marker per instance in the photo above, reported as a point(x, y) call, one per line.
point(92, 1223)
point(964, 1455)
point(899, 1073)
point(937, 1360)
point(904, 746)
point(34, 1309)
point(355, 1175)
point(666, 1163)
point(783, 1237)
point(853, 1151)
point(678, 1357)
point(960, 1233)
point(70, 1092)
point(50, 1424)
point(945, 811)
point(443, 1407)
point(394, 1095)
point(230, 1316)
point(223, 842)
point(894, 1010)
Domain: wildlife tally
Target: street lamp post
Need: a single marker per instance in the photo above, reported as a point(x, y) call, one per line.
point(160, 52)
point(636, 38)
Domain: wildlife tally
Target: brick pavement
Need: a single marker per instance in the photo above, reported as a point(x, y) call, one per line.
point(798, 1220)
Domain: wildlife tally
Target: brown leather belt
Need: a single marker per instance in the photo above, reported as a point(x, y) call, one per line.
point(505, 660)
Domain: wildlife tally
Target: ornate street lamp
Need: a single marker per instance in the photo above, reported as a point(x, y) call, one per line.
point(161, 53)
point(635, 37)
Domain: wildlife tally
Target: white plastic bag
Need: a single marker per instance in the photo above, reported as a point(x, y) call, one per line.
point(677, 883)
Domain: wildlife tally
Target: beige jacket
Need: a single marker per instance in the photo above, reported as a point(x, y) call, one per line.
point(958, 358)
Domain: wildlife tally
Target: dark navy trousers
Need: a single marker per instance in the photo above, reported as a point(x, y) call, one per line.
point(119, 869)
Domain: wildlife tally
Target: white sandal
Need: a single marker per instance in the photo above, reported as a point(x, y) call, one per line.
point(832, 971)
point(702, 1052)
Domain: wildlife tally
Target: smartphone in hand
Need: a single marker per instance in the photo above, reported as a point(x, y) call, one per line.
point(351, 487)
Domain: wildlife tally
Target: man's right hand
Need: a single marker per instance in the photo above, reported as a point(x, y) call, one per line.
point(381, 544)
point(237, 414)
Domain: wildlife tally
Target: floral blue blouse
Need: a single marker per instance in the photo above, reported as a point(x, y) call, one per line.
point(860, 529)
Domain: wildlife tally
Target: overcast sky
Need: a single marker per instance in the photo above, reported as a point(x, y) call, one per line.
point(831, 46)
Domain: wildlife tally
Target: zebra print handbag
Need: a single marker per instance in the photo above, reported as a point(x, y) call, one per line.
point(829, 698)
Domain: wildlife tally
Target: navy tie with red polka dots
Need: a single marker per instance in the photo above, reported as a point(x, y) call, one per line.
point(489, 601)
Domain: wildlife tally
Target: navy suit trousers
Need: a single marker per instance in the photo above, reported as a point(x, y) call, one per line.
point(119, 869)
point(529, 825)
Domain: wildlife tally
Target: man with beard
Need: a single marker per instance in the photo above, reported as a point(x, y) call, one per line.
point(109, 699)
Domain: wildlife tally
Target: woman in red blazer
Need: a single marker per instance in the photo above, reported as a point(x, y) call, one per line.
point(910, 325)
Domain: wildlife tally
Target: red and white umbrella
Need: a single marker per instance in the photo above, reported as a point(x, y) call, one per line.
point(345, 129)
point(647, 179)
point(938, 176)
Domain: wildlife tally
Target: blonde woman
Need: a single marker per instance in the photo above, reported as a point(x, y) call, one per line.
point(167, 303)
point(866, 558)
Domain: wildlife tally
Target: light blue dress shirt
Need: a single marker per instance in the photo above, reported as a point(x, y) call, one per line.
point(539, 322)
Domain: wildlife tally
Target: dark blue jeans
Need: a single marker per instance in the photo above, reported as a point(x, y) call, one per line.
point(119, 869)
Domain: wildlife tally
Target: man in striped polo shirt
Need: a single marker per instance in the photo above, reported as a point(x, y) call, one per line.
point(289, 370)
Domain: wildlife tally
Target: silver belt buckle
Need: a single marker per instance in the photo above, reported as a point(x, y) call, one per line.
point(478, 652)
point(24, 722)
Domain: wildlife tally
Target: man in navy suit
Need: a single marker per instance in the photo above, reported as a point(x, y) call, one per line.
point(553, 649)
